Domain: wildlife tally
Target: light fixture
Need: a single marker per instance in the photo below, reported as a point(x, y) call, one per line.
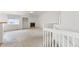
point(31, 11)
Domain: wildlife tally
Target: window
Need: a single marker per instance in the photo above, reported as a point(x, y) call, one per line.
point(13, 21)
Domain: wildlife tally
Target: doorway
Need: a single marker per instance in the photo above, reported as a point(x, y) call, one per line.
point(24, 23)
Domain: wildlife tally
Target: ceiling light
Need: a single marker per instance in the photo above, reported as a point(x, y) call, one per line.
point(31, 11)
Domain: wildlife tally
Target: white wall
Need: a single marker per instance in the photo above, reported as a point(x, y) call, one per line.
point(31, 18)
point(34, 18)
point(40, 18)
point(49, 17)
point(44, 17)
point(8, 27)
point(70, 20)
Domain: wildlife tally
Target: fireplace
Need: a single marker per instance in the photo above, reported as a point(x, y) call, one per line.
point(32, 25)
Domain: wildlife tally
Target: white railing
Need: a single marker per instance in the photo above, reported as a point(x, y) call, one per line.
point(60, 38)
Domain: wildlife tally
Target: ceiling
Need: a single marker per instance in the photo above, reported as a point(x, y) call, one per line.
point(16, 12)
point(22, 12)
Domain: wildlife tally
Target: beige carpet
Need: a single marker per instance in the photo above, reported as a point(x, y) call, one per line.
point(23, 38)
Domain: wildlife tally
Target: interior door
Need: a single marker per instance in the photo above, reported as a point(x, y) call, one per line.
point(25, 23)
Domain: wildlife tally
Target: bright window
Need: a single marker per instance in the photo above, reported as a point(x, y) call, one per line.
point(13, 21)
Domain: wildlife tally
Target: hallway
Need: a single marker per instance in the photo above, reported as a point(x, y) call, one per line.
point(23, 38)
